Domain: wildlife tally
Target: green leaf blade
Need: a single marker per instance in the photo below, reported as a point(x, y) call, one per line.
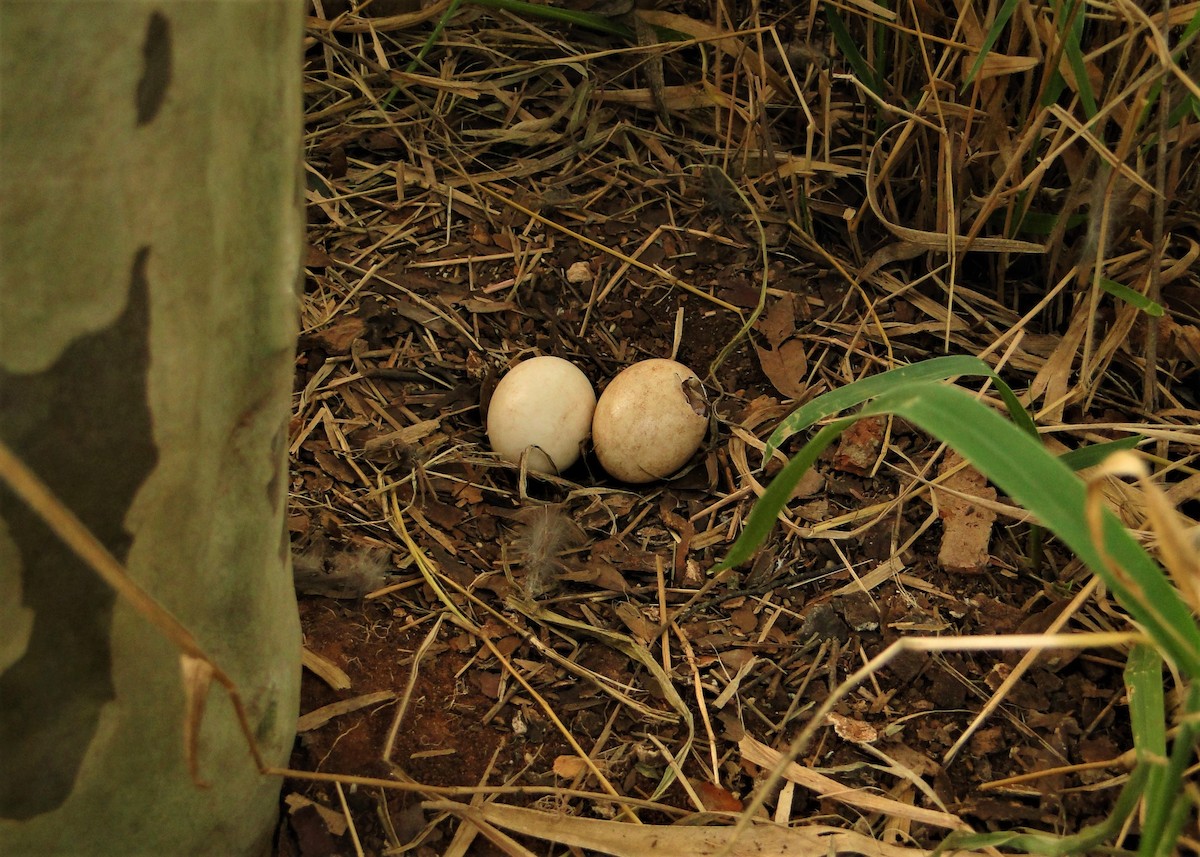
point(1129, 296)
point(1041, 483)
point(771, 503)
point(844, 398)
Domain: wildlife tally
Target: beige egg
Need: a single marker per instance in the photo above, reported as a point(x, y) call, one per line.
point(649, 421)
point(543, 405)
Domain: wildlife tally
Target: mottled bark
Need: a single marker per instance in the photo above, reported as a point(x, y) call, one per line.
point(149, 247)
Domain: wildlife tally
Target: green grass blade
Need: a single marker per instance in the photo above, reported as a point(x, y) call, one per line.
point(1054, 89)
point(450, 12)
point(771, 503)
point(1169, 807)
point(1189, 104)
point(989, 40)
point(1093, 454)
point(1036, 480)
point(1072, 36)
point(1041, 223)
point(881, 53)
point(1129, 296)
point(1016, 411)
point(843, 398)
point(1147, 700)
point(1147, 719)
point(849, 49)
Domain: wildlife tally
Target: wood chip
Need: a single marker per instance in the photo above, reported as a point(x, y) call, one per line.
point(966, 523)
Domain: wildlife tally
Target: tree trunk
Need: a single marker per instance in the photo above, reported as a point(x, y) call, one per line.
point(150, 241)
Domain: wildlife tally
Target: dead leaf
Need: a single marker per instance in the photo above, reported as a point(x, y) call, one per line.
point(778, 323)
point(643, 629)
point(315, 257)
point(855, 731)
point(335, 821)
point(336, 338)
point(310, 831)
point(809, 485)
point(570, 767)
point(715, 798)
point(598, 572)
point(333, 464)
point(786, 367)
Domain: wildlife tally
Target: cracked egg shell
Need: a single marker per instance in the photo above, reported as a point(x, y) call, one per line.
point(545, 405)
point(649, 421)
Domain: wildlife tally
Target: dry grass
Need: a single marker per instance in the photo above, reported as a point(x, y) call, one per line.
point(895, 205)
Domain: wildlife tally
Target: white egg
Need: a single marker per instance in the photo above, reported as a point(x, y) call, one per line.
point(649, 421)
point(543, 405)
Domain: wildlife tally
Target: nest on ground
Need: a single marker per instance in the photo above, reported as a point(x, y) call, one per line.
point(731, 189)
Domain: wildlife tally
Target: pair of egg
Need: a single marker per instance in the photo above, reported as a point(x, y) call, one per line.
point(649, 421)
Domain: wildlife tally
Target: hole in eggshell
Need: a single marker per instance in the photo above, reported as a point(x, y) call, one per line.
point(537, 459)
point(693, 391)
